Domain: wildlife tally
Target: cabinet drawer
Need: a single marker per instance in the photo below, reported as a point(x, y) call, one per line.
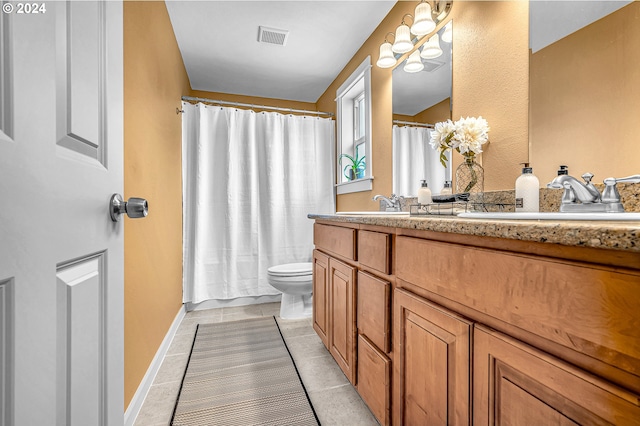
point(374, 379)
point(374, 310)
point(588, 308)
point(374, 250)
point(517, 384)
point(335, 239)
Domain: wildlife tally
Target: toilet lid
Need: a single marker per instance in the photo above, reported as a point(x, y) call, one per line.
point(291, 269)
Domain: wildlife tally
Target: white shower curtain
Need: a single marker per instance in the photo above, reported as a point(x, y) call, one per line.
point(415, 160)
point(249, 181)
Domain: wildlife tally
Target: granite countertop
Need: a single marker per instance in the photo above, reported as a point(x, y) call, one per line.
point(617, 235)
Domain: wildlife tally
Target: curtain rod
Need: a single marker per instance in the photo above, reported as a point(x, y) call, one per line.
point(216, 101)
point(411, 123)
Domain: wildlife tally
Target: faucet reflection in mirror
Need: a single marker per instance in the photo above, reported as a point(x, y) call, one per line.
point(427, 16)
point(466, 136)
point(391, 204)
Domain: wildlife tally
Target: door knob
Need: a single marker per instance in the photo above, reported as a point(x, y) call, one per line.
point(134, 207)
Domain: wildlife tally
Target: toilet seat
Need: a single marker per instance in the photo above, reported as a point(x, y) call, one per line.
point(295, 281)
point(291, 270)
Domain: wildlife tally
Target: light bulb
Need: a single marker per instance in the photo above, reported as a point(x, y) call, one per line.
point(431, 48)
point(447, 35)
point(402, 42)
point(414, 62)
point(386, 59)
point(423, 23)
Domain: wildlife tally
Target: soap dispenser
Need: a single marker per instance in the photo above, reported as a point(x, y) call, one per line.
point(424, 193)
point(527, 191)
point(447, 188)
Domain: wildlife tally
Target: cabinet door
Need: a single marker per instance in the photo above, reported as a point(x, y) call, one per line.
point(342, 316)
point(321, 296)
point(374, 379)
point(431, 377)
point(374, 310)
point(515, 384)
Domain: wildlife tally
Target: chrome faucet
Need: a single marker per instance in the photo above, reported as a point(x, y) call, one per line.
point(585, 197)
point(574, 189)
point(392, 204)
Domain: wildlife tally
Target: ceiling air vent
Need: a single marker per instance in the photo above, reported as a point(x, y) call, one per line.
point(431, 65)
point(272, 35)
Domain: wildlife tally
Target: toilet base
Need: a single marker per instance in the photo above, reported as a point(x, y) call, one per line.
point(296, 306)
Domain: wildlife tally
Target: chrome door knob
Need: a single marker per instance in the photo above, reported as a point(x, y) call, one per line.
point(134, 207)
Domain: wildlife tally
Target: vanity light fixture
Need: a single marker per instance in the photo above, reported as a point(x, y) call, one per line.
point(447, 35)
point(428, 14)
point(403, 43)
point(431, 48)
point(387, 59)
point(414, 62)
point(423, 23)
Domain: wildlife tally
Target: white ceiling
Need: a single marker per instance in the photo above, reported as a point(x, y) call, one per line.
point(551, 20)
point(219, 44)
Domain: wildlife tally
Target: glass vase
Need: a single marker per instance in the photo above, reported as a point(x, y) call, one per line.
point(470, 177)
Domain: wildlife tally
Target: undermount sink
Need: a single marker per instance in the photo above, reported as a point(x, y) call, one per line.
point(551, 216)
point(376, 213)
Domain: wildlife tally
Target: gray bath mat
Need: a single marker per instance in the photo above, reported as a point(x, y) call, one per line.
point(241, 373)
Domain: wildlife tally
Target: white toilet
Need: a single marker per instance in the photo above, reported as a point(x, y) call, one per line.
point(295, 281)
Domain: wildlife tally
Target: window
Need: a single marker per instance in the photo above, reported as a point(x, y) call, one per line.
point(359, 111)
point(353, 99)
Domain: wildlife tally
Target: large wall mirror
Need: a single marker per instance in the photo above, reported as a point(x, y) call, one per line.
point(420, 99)
point(584, 88)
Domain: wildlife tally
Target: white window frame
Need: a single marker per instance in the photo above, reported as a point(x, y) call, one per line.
point(358, 82)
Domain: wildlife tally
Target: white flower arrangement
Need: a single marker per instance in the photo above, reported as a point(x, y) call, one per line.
point(466, 136)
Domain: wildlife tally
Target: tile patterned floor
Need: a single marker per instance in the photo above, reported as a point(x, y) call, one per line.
point(336, 402)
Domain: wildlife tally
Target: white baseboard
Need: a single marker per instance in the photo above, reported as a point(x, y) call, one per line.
point(240, 301)
point(136, 402)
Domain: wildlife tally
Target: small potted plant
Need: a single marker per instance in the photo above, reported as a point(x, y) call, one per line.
point(355, 168)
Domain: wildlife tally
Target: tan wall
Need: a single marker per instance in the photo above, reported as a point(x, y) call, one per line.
point(491, 79)
point(438, 112)
point(154, 81)
point(278, 103)
point(435, 113)
point(585, 100)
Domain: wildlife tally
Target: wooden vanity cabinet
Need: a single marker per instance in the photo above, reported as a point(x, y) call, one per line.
point(431, 365)
point(458, 329)
point(352, 308)
point(334, 294)
point(515, 384)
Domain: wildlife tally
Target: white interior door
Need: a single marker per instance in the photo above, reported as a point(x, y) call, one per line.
point(61, 257)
